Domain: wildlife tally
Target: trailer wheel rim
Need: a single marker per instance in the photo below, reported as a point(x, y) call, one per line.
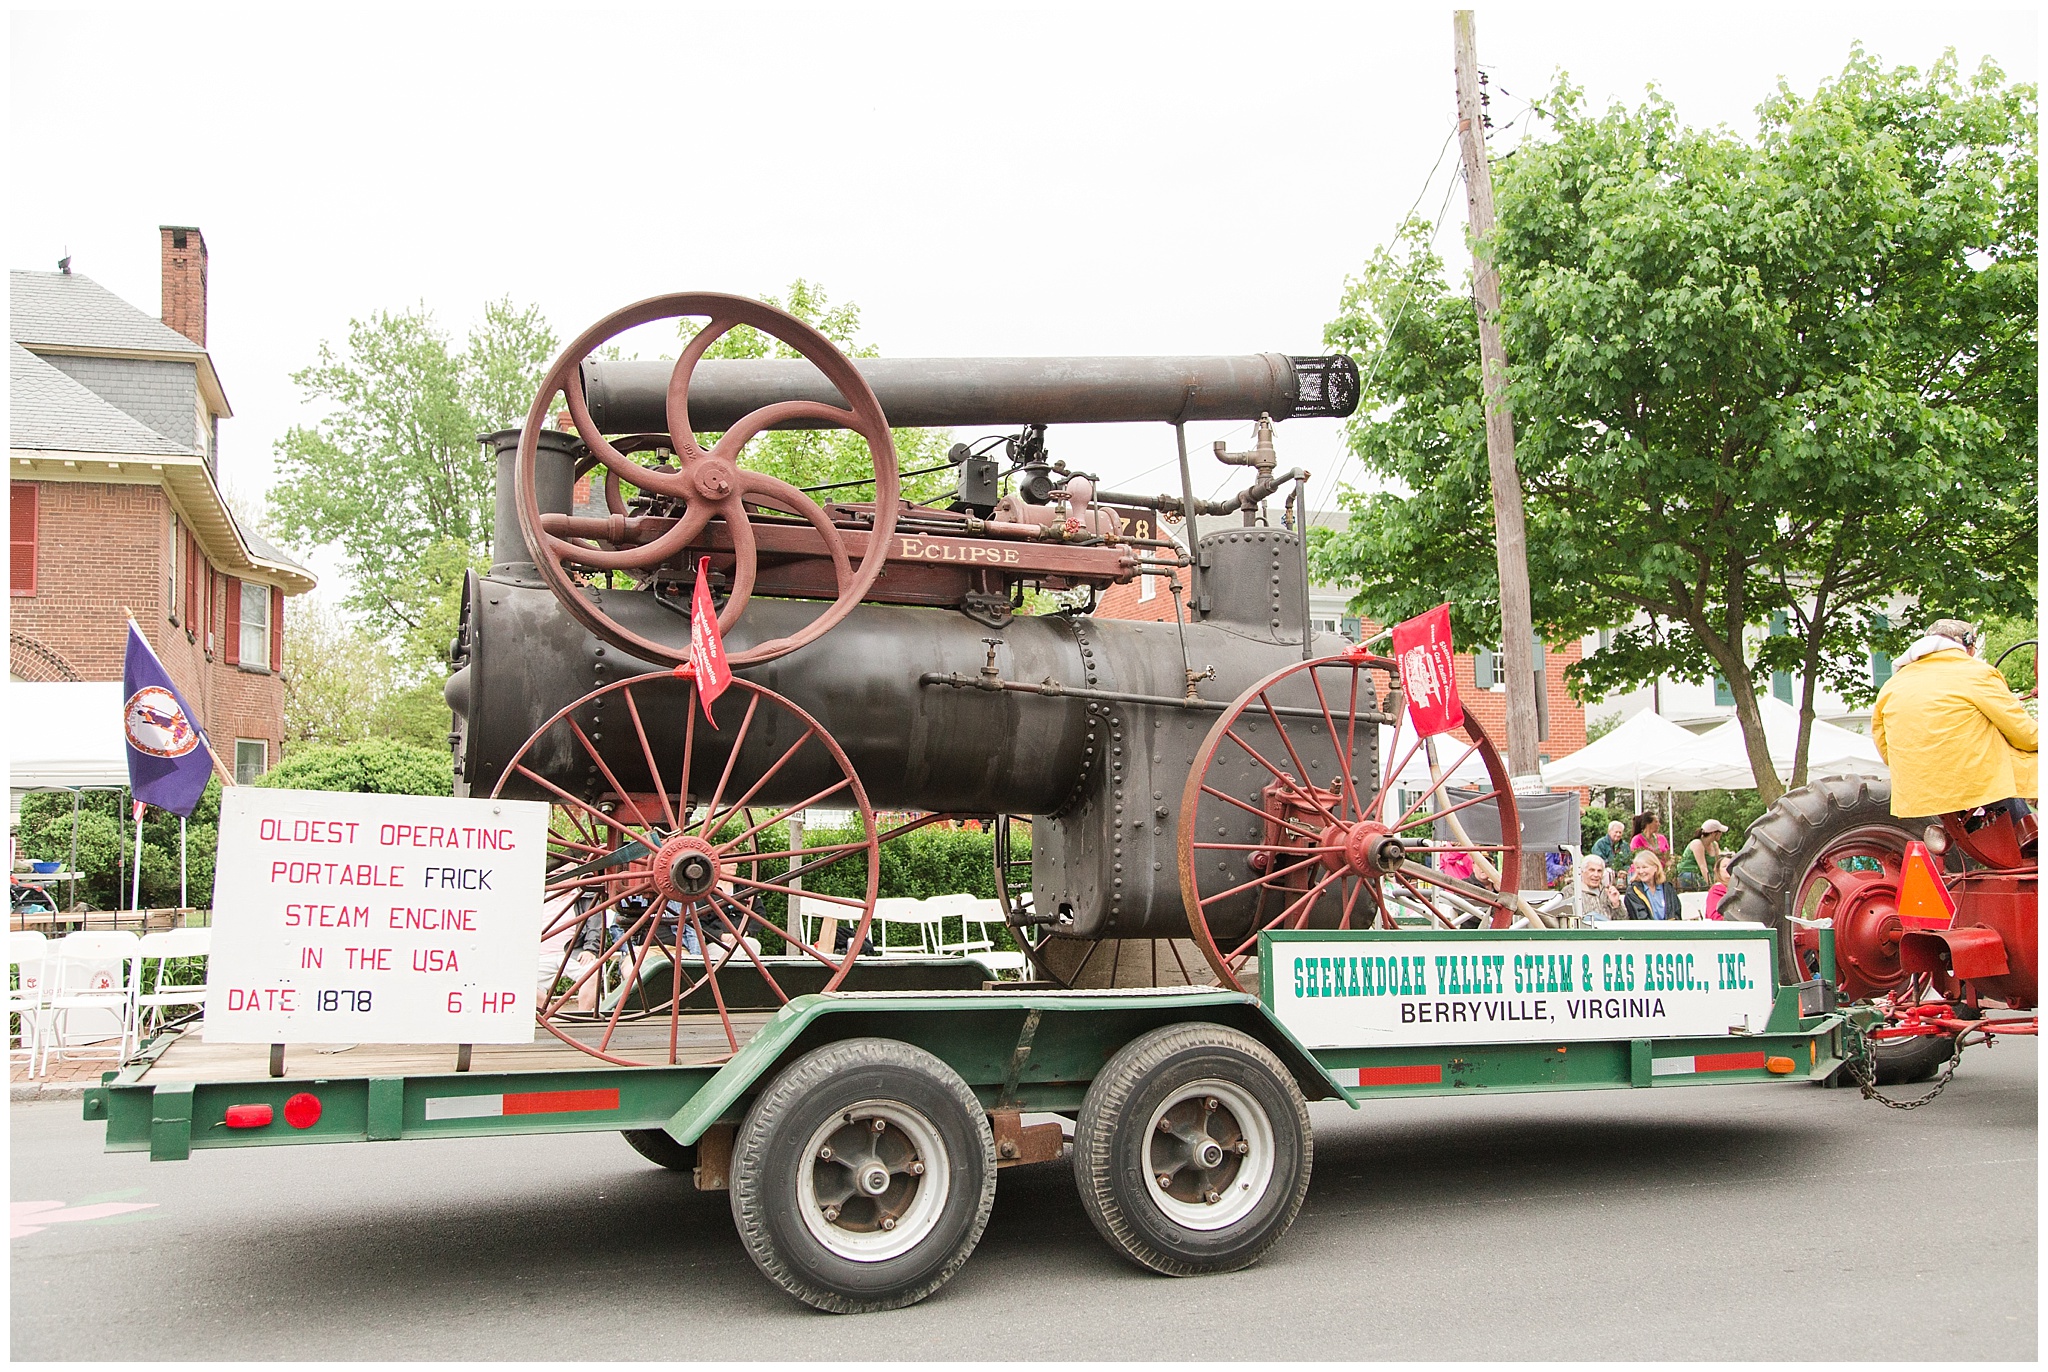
point(872, 1182)
point(1209, 1154)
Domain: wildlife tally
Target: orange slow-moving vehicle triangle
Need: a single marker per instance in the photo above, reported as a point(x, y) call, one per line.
point(1924, 901)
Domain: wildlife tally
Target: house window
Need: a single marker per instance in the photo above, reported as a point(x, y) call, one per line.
point(1147, 588)
point(177, 547)
point(21, 537)
point(1781, 682)
point(254, 644)
point(252, 759)
point(1722, 695)
point(1880, 662)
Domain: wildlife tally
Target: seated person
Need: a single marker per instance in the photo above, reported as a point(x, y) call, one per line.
point(1953, 733)
point(1599, 897)
point(1715, 893)
point(1701, 855)
point(1612, 847)
point(1649, 895)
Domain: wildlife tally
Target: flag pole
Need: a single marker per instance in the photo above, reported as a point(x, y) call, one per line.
point(226, 773)
point(135, 899)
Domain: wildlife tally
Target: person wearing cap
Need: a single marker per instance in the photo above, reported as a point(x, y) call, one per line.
point(1953, 733)
point(1700, 855)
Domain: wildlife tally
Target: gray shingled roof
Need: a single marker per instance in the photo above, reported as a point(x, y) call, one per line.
point(268, 551)
point(61, 311)
point(48, 410)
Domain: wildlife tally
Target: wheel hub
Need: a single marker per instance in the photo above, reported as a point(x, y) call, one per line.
point(1209, 1155)
point(1366, 848)
point(873, 1181)
point(685, 868)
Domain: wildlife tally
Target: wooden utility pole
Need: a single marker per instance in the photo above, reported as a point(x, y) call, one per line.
point(1511, 540)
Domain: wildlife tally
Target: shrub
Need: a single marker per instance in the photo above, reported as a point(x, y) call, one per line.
point(376, 765)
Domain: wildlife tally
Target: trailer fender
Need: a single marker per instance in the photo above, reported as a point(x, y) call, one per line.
point(1009, 1048)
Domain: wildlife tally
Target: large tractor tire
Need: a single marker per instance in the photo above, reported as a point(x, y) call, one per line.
point(1833, 848)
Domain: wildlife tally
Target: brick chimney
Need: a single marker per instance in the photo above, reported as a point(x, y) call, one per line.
point(184, 281)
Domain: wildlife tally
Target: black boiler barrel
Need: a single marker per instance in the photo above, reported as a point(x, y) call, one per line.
point(947, 392)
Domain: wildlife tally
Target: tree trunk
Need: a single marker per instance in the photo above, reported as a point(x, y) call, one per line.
point(1744, 690)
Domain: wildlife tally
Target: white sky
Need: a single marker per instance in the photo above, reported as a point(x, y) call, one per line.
point(982, 180)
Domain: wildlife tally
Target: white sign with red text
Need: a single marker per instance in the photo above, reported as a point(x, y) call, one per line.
point(340, 917)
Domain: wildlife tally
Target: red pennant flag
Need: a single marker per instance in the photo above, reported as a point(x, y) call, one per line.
point(707, 648)
point(1422, 651)
point(1924, 899)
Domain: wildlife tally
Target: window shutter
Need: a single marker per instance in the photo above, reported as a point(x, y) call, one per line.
point(1880, 662)
point(277, 628)
point(193, 562)
point(1484, 671)
point(22, 509)
point(1348, 626)
point(1722, 695)
point(232, 647)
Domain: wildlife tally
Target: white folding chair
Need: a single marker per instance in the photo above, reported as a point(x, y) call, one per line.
point(145, 1009)
point(27, 956)
point(987, 917)
point(894, 912)
point(965, 908)
point(91, 976)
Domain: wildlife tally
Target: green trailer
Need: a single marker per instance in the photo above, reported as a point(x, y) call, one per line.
point(861, 1133)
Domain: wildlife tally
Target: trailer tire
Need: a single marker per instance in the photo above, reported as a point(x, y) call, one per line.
point(863, 1176)
point(1767, 874)
point(659, 1146)
point(1196, 1085)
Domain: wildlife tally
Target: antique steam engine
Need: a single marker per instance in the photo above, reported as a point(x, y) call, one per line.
point(1203, 776)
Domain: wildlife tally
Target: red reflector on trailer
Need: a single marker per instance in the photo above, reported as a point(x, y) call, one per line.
point(247, 1116)
point(1421, 1074)
point(1728, 1062)
point(302, 1111)
point(559, 1102)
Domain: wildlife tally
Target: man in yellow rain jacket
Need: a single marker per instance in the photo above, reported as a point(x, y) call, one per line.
point(1953, 733)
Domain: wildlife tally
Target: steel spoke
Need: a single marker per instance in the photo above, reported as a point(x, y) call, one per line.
point(1306, 901)
point(625, 798)
point(731, 758)
point(1308, 782)
point(1347, 787)
point(763, 780)
point(668, 812)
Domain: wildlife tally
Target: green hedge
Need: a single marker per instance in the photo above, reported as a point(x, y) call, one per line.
point(106, 847)
point(374, 765)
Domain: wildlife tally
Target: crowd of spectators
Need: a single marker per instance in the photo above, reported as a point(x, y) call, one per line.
point(1631, 872)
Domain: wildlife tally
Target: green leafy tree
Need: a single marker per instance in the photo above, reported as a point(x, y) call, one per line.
point(106, 847)
point(392, 474)
point(1786, 379)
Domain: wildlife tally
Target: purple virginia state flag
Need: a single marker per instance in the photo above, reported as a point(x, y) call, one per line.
point(168, 761)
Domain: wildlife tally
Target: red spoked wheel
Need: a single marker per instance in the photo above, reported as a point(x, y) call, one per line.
point(1288, 820)
point(660, 888)
point(688, 487)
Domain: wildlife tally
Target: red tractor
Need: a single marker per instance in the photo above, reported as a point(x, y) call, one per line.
point(1831, 857)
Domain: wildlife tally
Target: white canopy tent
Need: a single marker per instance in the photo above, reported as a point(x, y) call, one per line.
point(1637, 749)
point(1719, 758)
point(63, 736)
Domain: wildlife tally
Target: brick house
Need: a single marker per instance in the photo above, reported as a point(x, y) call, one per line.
point(115, 501)
point(1481, 686)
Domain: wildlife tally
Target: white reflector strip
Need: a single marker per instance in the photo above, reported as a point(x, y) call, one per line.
point(464, 1107)
point(1659, 1067)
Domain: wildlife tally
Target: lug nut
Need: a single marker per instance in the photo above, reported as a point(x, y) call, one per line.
point(888, 1223)
point(1210, 1198)
point(1212, 1104)
point(1241, 1148)
point(831, 1213)
point(1165, 1125)
point(1165, 1180)
point(825, 1153)
point(916, 1168)
point(878, 1125)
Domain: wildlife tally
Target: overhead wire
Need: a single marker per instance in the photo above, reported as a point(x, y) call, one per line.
point(1365, 386)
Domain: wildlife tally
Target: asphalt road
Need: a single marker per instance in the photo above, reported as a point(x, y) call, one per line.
point(1709, 1222)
